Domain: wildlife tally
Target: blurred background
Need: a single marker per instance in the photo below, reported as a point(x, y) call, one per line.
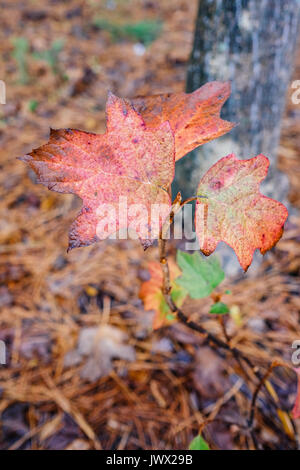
point(138, 388)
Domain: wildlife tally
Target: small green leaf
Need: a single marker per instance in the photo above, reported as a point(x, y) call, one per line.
point(170, 317)
point(178, 295)
point(163, 307)
point(219, 308)
point(198, 443)
point(143, 31)
point(199, 276)
point(32, 105)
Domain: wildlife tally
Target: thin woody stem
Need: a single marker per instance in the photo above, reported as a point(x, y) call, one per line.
point(176, 206)
point(234, 351)
point(257, 390)
point(254, 399)
point(191, 199)
point(237, 354)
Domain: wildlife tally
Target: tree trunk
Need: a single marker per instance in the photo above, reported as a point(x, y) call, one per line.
point(251, 43)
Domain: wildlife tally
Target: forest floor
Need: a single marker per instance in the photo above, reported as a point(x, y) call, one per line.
point(139, 388)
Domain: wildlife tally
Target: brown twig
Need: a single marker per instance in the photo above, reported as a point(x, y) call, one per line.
point(237, 354)
point(243, 371)
point(254, 399)
point(257, 390)
point(167, 291)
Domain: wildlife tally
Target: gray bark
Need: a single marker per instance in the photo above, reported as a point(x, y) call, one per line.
point(252, 44)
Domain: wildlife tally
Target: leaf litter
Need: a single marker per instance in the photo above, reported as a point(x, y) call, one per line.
point(152, 402)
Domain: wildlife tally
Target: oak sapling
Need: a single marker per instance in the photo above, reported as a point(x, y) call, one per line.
point(135, 160)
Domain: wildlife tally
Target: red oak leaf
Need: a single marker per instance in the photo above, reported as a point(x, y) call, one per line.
point(194, 118)
point(234, 211)
point(296, 409)
point(120, 176)
point(152, 296)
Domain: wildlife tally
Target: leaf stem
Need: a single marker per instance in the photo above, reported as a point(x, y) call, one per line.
point(166, 289)
point(193, 198)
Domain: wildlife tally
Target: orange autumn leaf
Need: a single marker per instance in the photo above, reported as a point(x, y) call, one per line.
point(232, 209)
point(296, 409)
point(130, 161)
point(194, 117)
point(152, 296)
